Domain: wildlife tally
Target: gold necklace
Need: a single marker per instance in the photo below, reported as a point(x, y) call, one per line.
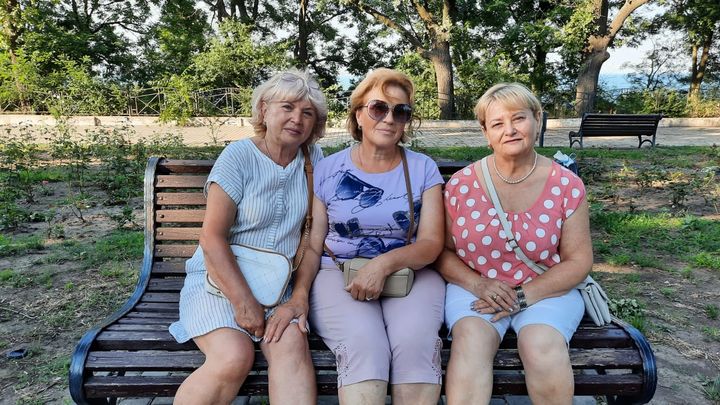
point(509, 181)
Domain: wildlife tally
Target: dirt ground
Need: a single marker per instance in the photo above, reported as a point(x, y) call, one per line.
point(56, 300)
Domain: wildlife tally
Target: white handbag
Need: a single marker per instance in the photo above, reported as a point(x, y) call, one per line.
point(596, 301)
point(266, 272)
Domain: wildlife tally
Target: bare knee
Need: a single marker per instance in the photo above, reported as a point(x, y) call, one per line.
point(233, 365)
point(292, 346)
point(542, 348)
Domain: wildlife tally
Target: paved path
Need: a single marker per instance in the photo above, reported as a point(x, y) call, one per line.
point(556, 137)
point(468, 135)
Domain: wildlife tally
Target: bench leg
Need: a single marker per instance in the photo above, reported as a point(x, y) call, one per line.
point(574, 141)
point(642, 141)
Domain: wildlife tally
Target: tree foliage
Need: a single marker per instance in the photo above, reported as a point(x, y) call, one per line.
point(78, 51)
point(699, 20)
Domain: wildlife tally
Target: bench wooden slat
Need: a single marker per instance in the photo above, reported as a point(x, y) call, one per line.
point(169, 268)
point(180, 360)
point(182, 251)
point(153, 335)
point(180, 216)
point(173, 233)
point(180, 199)
point(166, 386)
point(181, 181)
point(182, 166)
point(160, 297)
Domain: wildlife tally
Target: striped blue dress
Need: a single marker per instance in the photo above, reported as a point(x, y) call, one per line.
point(272, 203)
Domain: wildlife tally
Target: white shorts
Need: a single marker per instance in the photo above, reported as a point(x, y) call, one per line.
point(563, 313)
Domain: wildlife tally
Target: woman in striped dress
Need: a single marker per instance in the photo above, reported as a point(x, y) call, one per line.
point(257, 196)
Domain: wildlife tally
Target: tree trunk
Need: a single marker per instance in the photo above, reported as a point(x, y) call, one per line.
point(587, 81)
point(698, 67)
point(595, 53)
point(442, 63)
point(537, 76)
point(301, 46)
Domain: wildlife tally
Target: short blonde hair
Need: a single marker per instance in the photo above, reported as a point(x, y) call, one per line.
point(510, 95)
point(379, 78)
point(291, 85)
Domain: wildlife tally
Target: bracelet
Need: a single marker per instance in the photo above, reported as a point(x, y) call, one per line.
point(522, 303)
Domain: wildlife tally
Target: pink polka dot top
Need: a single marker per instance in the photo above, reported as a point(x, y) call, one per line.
point(479, 236)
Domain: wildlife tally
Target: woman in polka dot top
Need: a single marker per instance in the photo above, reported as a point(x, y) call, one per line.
point(490, 289)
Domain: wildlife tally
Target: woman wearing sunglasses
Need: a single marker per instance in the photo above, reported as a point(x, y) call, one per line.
point(362, 210)
point(257, 195)
point(489, 257)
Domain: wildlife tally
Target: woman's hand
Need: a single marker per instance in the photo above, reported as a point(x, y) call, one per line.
point(494, 294)
point(484, 307)
point(251, 317)
point(369, 282)
point(283, 315)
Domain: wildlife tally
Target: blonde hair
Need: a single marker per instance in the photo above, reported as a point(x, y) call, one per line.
point(290, 85)
point(379, 78)
point(510, 95)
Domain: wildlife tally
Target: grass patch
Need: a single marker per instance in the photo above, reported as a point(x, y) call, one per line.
point(711, 388)
point(705, 259)
point(14, 279)
point(10, 246)
point(119, 246)
point(630, 310)
point(657, 236)
point(712, 332)
point(668, 292)
point(712, 311)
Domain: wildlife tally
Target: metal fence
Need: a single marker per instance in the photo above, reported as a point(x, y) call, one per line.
point(233, 102)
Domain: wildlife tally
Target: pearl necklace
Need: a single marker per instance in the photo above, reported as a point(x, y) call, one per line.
point(508, 181)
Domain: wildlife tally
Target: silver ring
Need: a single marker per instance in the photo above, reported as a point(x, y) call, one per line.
point(368, 298)
point(494, 297)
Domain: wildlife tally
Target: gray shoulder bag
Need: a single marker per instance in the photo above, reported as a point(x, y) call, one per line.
point(596, 301)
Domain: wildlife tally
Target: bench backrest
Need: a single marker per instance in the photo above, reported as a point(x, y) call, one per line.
point(619, 124)
point(174, 209)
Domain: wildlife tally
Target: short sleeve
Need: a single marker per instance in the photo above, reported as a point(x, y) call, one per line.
point(432, 174)
point(316, 154)
point(227, 172)
point(323, 176)
point(574, 191)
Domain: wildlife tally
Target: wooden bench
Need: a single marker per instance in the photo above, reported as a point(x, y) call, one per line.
point(131, 353)
point(617, 125)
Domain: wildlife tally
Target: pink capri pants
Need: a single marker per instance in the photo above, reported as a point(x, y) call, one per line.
point(390, 339)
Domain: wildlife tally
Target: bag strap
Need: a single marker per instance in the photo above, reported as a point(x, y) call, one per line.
point(509, 235)
point(411, 204)
point(300, 254)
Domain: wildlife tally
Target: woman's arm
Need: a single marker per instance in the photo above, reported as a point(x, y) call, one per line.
point(220, 261)
point(297, 306)
point(455, 271)
point(576, 259)
point(428, 244)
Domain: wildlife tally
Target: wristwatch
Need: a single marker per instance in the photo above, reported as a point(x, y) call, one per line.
point(522, 303)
